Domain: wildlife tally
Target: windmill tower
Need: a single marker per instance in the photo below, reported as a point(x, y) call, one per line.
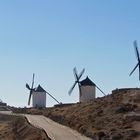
point(38, 95)
point(138, 59)
point(87, 88)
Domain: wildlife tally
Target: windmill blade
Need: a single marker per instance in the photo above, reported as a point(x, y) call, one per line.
point(30, 97)
point(33, 81)
point(75, 74)
point(134, 69)
point(28, 87)
point(53, 97)
point(138, 56)
point(77, 79)
point(136, 50)
point(139, 71)
point(70, 91)
point(82, 72)
point(137, 53)
point(100, 90)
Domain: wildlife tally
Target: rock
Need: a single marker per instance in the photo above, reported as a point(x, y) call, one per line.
point(116, 136)
point(105, 138)
point(125, 108)
point(99, 113)
point(132, 133)
point(101, 134)
point(132, 117)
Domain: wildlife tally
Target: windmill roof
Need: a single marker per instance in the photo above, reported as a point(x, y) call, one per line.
point(39, 89)
point(87, 82)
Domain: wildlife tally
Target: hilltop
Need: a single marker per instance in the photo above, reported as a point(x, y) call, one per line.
point(113, 117)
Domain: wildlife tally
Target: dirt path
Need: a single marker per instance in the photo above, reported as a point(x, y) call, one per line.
point(55, 130)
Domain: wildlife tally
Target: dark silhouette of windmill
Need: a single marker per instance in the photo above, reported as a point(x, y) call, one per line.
point(138, 59)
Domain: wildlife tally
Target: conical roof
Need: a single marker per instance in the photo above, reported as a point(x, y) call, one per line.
point(39, 89)
point(87, 82)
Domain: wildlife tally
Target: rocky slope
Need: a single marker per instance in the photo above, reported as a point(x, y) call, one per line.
point(114, 117)
point(17, 128)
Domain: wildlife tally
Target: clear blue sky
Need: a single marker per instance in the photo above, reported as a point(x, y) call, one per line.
point(50, 37)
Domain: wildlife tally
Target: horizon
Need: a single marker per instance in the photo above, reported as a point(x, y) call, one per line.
point(50, 38)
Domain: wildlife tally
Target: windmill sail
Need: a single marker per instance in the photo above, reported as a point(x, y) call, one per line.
point(31, 89)
point(138, 59)
point(100, 90)
point(30, 97)
point(53, 97)
point(77, 78)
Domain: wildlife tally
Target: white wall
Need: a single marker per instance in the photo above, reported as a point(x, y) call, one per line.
point(87, 93)
point(39, 99)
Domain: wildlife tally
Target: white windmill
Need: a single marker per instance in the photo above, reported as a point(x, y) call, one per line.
point(87, 88)
point(38, 95)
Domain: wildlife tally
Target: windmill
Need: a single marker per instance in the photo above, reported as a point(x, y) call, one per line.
point(86, 87)
point(38, 95)
point(138, 59)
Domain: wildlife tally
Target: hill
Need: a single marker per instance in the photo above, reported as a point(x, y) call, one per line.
point(17, 128)
point(113, 117)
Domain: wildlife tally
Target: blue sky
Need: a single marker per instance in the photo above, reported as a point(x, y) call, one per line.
point(49, 38)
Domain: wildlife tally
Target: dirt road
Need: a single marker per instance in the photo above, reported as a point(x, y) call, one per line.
point(54, 130)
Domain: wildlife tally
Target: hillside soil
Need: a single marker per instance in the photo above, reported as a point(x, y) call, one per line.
point(113, 117)
point(17, 128)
